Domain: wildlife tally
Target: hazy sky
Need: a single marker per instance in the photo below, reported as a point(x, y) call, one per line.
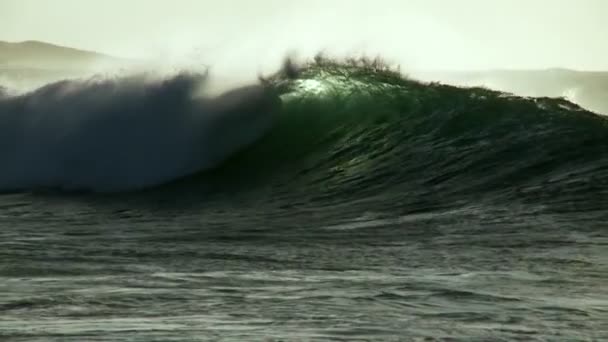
point(457, 34)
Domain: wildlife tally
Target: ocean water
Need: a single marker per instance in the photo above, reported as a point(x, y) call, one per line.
point(372, 207)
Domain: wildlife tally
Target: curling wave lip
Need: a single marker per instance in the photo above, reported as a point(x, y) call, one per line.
point(124, 134)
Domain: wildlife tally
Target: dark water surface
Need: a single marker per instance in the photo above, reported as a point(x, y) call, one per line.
point(74, 270)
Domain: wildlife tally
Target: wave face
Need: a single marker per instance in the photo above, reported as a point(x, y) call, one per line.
point(359, 132)
point(123, 134)
point(344, 131)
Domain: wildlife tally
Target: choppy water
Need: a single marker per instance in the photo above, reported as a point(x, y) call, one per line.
point(76, 271)
point(375, 209)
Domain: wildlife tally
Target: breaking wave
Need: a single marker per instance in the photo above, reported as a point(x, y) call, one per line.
point(327, 131)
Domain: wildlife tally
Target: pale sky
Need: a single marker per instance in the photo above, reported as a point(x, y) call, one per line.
point(419, 34)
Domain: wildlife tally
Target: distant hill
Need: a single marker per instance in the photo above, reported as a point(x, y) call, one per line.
point(30, 64)
point(40, 55)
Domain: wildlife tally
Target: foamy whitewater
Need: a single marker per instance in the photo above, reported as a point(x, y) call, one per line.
point(333, 200)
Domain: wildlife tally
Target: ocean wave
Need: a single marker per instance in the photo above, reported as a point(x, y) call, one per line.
point(344, 131)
